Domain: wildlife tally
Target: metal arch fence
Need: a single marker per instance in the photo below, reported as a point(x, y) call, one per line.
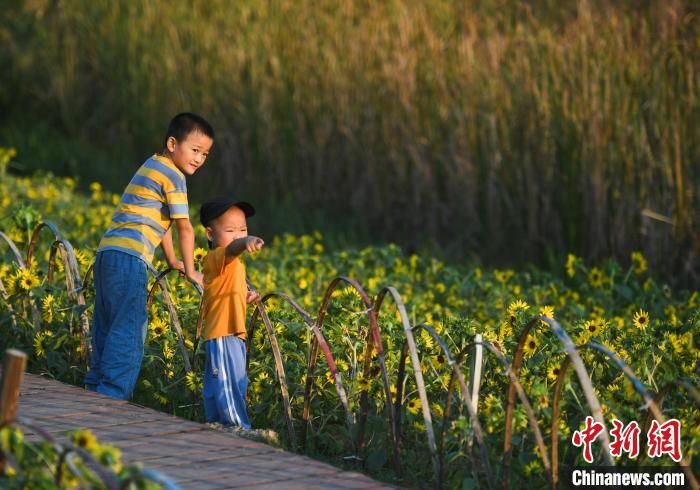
point(374, 345)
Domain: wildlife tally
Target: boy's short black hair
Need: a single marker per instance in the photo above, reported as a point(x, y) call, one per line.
point(185, 123)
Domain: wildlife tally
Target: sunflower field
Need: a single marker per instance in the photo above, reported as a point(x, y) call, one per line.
point(338, 411)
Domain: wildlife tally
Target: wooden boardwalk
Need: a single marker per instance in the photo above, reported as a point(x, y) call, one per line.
point(191, 454)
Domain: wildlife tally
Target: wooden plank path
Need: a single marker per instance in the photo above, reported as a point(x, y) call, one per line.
point(191, 454)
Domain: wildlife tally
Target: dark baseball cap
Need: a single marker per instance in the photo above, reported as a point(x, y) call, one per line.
point(214, 208)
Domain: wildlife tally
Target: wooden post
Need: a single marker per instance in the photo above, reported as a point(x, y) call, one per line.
point(475, 379)
point(475, 372)
point(12, 373)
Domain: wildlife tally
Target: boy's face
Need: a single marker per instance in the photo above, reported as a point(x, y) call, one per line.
point(190, 153)
point(228, 227)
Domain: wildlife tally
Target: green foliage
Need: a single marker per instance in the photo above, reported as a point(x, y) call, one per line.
point(46, 466)
point(650, 326)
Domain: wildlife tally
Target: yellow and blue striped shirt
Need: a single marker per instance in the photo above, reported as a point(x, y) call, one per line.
point(156, 195)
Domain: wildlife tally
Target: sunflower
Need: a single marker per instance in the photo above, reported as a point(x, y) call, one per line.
point(672, 318)
point(641, 319)
point(84, 439)
point(47, 303)
point(39, 345)
point(428, 340)
point(27, 279)
point(439, 360)
point(530, 346)
point(110, 456)
point(193, 382)
point(392, 392)
point(82, 256)
point(516, 306)
point(571, 265)
point(503, 276)
point(157, 327)
point(596, 277)
point(162, 399)
point(199, 254)
point(639, 263)
point(593, 327)
point(168, 351)
point(547, 311)
point(553, 372)
point(413, 405)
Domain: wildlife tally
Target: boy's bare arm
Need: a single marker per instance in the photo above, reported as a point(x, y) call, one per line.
point(249, 243)
point(169, 252)
point(185, 234)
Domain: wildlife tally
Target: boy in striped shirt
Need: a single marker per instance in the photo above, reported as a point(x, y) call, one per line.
point(154, 200)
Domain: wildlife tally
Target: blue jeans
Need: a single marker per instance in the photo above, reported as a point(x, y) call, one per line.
point(225, 382)
point(119, 323)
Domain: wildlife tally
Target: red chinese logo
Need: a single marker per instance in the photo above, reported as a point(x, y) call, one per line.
point(625, 439)
point(586, 437)
point(664, 439)
point(661, 439)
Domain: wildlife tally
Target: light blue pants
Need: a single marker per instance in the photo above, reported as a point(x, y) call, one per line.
point(225, 381)
point(119, 323)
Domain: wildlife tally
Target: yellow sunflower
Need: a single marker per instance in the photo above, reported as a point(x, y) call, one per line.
point(47, 303)
point(439, 360)
point(571, 265)
point(596, 277)
point(27, 279)
point(199, 254)
point(85, 439)
point(392, 392)
point(193, 382)
point(553, 372)
point(641, 319)
point(593, 327)
point(530, 346)
point(157, 327)
point(39, 345)
point(413, 405)
point(502, 276)
point(516, 306)
point(162, 399)
point(639, 263)
point(547, 311)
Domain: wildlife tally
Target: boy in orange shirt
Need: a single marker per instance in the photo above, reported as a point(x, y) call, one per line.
point(225, 297)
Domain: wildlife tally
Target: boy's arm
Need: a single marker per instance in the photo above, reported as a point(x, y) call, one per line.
point(237, 247)
point(185, 234)
point(169, 251)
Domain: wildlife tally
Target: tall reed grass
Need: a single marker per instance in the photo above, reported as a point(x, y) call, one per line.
point(503, 128)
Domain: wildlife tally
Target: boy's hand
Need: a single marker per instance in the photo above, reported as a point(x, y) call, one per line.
point(179, 266)
point(254, 244)
point(197, 278)
point(252, 297)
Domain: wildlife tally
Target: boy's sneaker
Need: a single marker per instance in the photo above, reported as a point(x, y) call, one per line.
point(260, 435)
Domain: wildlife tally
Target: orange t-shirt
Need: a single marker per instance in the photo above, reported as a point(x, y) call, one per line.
point(224, 295)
